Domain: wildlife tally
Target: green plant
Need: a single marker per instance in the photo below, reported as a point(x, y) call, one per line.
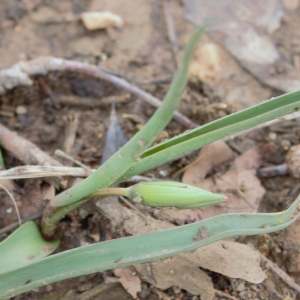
point(21, 274)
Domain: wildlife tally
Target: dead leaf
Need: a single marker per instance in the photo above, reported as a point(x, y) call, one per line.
point(209, 157)
point(129, 279)
point(178, 271)
point(220, 71)
point(244, 28)
point(231, 259)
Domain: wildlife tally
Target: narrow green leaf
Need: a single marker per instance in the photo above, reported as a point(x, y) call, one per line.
point(140, 249)
point(24, 247)
point(206, 134)
point(121, 161)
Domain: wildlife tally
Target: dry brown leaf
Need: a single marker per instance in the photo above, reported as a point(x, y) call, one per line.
point(229, 81)
point(129, 279)
point(178, 271)
point(209, 157)
point(228, 258)
point(231, 259)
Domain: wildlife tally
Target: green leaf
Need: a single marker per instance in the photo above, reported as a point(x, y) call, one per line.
point(213, 131)
point(140, 249)
point(24, 247)
point(120, 162)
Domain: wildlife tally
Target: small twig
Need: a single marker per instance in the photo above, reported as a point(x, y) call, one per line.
point(12, 226)
point(71, 100)
point(135, 80)
point(220, 293)
point(171, 30)
point(63, 155)
point(49, 92)
point(42, 171)
point(14, 202)
point(24, 150)
point(279, 170)
point(272, 290)
point(284, 276)
point(134, 208)
point(43, 65)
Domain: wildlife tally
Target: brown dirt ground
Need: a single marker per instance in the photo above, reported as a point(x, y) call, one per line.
point(142, 51)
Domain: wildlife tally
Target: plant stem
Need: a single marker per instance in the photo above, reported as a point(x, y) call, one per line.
point(52, 215)
point(120, 162)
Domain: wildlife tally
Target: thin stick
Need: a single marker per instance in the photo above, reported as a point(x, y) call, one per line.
point(121, 83)
point(12, 226)
point(49, 92)
point(284, 276)
point(14, 202)
point(134, 208)
point(61, 154)
point(24, 150)
point(43, 65)
point(272, 290)
point(42, 171)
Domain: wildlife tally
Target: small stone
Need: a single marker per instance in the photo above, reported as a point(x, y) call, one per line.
point(241, 287)
point(99, 20)
point(272, 136)
point(14, 11)
point(286, 144)
point(293, 161)
point(21, 110)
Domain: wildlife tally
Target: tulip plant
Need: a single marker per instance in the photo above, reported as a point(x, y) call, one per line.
point(25, 260)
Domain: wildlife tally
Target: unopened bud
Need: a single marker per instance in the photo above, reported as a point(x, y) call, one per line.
point(169, 193)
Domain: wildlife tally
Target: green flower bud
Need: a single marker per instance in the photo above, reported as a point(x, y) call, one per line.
point(169, 193)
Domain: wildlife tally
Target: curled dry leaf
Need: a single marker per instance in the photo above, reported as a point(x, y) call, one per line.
point(129, 279)
point(210, 157)
point(179, 271)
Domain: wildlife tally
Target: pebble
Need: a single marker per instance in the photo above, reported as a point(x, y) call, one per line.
point(14, 11)
point(241, 287)
point(21, 110)
point(99, 20)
